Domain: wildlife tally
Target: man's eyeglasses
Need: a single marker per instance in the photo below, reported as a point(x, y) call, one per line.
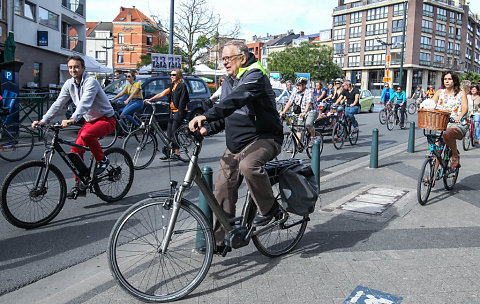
point(230, 58)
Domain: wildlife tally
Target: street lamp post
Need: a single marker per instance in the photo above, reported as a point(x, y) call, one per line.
point(403, 43)
point(106, 47)
point(170, 39)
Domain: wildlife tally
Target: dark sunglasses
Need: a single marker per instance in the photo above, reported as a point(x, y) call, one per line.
point(129, 76)
point(173, 74)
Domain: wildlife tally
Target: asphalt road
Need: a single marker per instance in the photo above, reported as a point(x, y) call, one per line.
point(81, 230)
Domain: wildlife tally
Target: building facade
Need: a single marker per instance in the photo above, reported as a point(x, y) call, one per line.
point(134, 35)
point(100, 42)
point(437, 35)
point(46, 33)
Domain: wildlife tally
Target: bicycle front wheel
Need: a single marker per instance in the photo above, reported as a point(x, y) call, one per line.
point(450, 175)
point(283, 236)
point(289, 147)
point(184, 142)
point(425, 180)
point(25, 204)
point(338, 135)
point(318, 135)
point(382, 116)
point(135, 257)
point(353, 136)
point(391, 121)
point(142, 146)
point(467, 140)
point(412, 108)
point(115, 182)
point(16, 142)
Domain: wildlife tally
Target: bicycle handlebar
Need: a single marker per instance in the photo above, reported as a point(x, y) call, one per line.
point(155, 102)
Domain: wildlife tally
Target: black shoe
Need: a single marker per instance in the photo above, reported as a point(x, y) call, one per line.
point(101, 166)
point(262, 220)
point(76, 192)
point(164, 157)
point(174, 157)
point(218, 250)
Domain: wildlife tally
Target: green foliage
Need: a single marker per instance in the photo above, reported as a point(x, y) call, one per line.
point(473, 77)
point(307, 58)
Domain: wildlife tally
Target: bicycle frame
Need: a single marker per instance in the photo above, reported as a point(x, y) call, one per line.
point(437, 147)
point(153, 124)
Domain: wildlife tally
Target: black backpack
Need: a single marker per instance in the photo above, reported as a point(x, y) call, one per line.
point(298, 189)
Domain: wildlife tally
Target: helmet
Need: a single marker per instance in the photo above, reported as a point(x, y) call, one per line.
point(301, 80)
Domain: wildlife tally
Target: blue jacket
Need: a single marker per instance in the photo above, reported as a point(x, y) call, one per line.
point(400, 98)
point(390, 91)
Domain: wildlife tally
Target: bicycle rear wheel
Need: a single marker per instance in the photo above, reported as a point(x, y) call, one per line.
point(16, 142)
point(412, 108)
point(391, 121)
point(134, 253)
point(467, 140)
point(184, 142)
point(382, 116)
point(318, 135)
point(338, 135)
point(115, 182)
point(108, 140)
point(282, 237)
point(353, 136)
point(451, 174)
point(425, 180)
point(142, 146)
point(289, 147)
point(27, 206)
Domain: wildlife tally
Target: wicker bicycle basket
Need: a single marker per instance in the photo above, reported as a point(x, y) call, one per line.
point(433, 119)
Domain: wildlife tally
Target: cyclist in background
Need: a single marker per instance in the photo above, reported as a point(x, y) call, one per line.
point(134, 102)
point(399, 98)
point(387, 93)
point(418, 95)
point(430, 91)
point(351, 96)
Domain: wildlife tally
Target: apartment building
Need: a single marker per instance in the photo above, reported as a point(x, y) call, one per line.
point(134, 35)
point(100, 42)
point(439, 35)
point(46, 33)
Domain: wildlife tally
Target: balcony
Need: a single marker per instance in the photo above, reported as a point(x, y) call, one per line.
point(339, 23)
point(376, 32)
point(425, 46)
point(456, 53)
point(440, 49)
point(341, 37)
point(449, 51)
point(458, 37)
point(427, 14)
point(376, 17)
point(74, 5)
point(396, 61)
point(375, 48)
point(354, 64)
point(442, 17)
point(438, 64)
point(452, 36)
point(427, 30)
point(459, 22)
point(441, 33)
point(339, 51)
point(357, 20)
point(370, 63)
point(397, 29)
point(355, 35)
point(424, 62)
point(354, 50)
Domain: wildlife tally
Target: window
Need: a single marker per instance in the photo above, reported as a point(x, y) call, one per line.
point(398, 9)
point(120, 57)
point(101, 55)
point(354, 61)
point(397, 25)
point(425, 43)
point(121, 38)
point(441, 14)
point(25, 9)
point(36, 72)
point(450, 48)
point(470, 27)
point(437, 59)
point(397, 42)
point(440, 29)
point(338, 61)
point(197, 87)
point(338, 48)
point(354, 47)
point(376, 29)
point(439, 45)
point(468, 53)
point(356, 17)
point(376, 59)
point(424, 58)
point(154, 87)
point(377, 13)
point(339, 34)
point(428, 10)
point(149, 39)
point(340, 20)
point(373, 45)
point(105, 34)
point(427, 26)
point(47, 18)
point(452, 16)
point(355, 31)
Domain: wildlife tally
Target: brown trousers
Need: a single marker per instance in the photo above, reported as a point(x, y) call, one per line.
point(247, 164)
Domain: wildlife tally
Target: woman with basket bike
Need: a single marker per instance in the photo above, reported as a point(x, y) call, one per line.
point(453, 99)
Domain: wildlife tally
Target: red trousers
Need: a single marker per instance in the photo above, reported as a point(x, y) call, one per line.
point(89, 134)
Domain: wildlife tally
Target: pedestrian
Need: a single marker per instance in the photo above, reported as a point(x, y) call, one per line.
point(134, 101)
point(91, 104)
point(218, 92)
point(253, 134)
point(474, 101)
point(177, 98)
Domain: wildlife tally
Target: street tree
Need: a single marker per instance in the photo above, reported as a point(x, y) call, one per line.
point(196, 29)
point(471, 76)
point(306, 58)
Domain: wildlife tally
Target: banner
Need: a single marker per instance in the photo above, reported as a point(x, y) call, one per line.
point(165, 62)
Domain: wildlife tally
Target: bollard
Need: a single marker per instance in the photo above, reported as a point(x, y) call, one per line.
point(315, 164)
point(411, 138)
point(203, 205)
point(374, 151)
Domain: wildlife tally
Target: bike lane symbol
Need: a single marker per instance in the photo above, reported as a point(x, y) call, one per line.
point(365, 295)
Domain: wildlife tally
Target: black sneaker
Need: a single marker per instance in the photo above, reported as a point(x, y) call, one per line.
point(262, 220)
point(164, 157)
point(174, 157)
point(101, 166)
point(76, 192)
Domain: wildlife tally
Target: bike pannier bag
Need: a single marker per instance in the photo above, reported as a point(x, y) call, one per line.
point(298, 189)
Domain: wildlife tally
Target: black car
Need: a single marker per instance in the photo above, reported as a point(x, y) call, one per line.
point(152, 85)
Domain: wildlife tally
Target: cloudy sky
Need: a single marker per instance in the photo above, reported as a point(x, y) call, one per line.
point(254, 16)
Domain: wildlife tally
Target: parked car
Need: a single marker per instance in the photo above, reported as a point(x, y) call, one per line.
point(366, 101)
point(281, 99)
point(152, 85)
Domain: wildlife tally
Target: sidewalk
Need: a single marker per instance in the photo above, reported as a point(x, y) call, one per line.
point(423, 254)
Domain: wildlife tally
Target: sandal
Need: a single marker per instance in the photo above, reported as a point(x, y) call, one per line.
point(455, 162)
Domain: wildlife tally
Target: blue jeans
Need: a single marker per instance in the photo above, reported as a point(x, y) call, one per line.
point(134, 106)
point(476, 123)
point(350, 112)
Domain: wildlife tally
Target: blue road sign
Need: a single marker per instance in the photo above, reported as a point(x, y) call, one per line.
point(365, 295)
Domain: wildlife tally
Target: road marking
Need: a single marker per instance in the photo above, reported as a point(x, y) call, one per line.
point(365, 295)
point(374, 200)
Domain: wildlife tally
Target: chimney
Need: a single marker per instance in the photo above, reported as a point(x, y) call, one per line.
point(122, 8)
point(302, 33)
point(129, 17)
